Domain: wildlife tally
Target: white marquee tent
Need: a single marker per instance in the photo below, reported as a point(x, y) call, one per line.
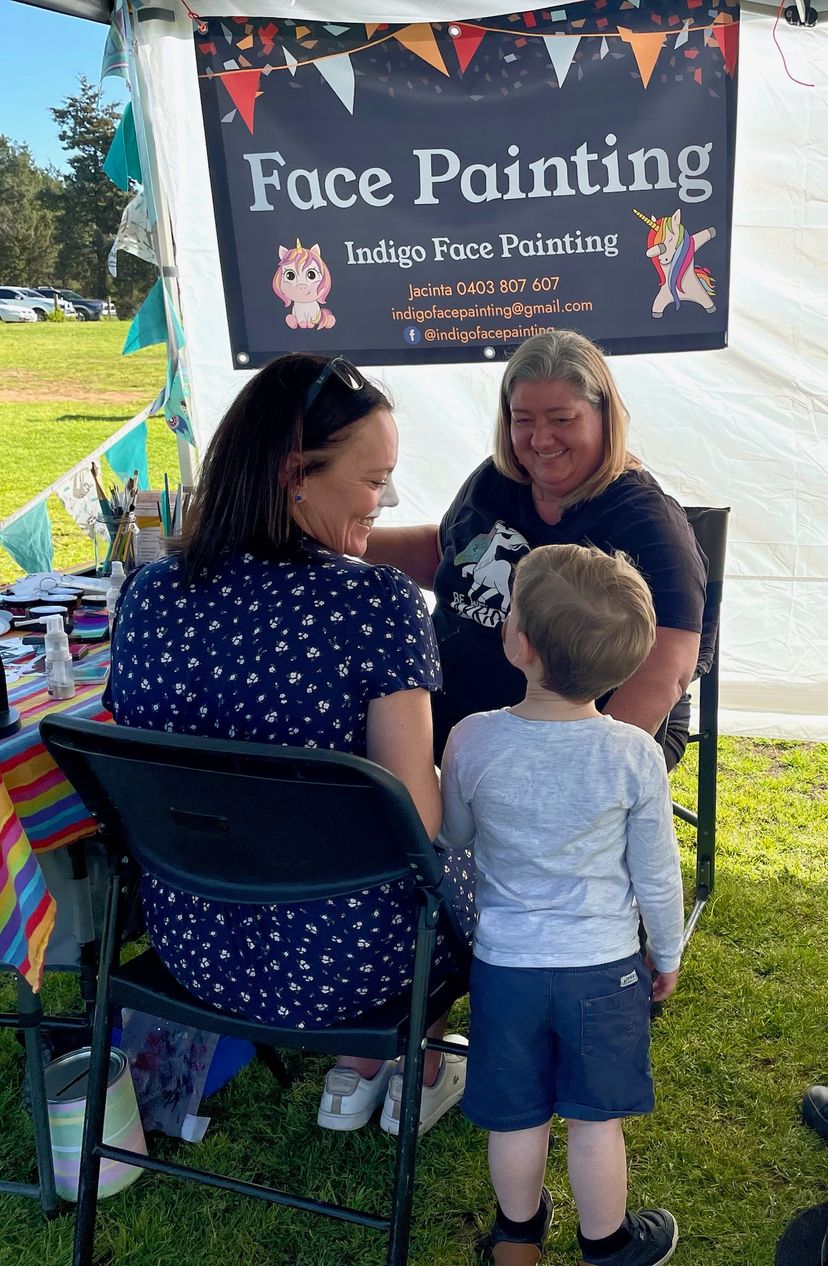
point(745, 427)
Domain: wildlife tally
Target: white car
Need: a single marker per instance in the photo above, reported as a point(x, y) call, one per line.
point(11, 312)
point(18, 297)
point(33, 296)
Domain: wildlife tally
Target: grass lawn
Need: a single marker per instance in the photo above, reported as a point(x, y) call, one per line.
point(738, 1044)
point(64, 389)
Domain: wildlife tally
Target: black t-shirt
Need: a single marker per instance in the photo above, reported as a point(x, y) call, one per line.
point(492, 523)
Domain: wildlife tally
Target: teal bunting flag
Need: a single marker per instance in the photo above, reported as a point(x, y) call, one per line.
point(175, 403)
point(122, 163)
point(115, 54)
point(130, 454)
point(29, 540)
point(149, 325)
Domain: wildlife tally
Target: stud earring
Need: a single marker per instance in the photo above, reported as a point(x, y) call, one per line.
point(298, 497)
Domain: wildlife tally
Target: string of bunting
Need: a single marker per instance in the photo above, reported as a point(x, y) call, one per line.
point(242, 80)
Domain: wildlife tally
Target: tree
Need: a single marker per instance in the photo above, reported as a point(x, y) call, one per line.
point(28, 246)
point(90, 205)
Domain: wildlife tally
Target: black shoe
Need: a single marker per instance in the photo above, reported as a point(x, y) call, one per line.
point(654, 1235)
point(503, 1249)
point(815, 1109)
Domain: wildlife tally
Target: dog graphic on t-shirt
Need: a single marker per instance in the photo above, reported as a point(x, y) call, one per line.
point(488, 561)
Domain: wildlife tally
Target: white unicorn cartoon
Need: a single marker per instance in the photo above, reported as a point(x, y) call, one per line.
point(672, 250)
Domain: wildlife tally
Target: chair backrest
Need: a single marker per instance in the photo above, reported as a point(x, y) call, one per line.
point(245, 822)
point(709, 524)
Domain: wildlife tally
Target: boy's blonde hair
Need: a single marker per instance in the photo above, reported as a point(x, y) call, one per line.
point(588, 616)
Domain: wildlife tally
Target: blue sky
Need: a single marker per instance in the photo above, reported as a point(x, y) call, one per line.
point(41, 56)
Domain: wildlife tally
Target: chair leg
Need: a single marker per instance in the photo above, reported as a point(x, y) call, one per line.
point(93, 1126)
point(273, 1061)
point(31, 1014)
point(410, 1104)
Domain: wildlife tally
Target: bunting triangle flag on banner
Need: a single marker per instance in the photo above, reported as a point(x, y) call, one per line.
point(242, 86)
point(29, 540)
point(339, 73)
point(646, 49)
point(370, 27)
point(122, 164)
point(561, 50)
point(419, 40)
point(149, 325)
point(130, 454)
point(467, 43)
point(604, 49)
point(683, 34)
point(726, 35)
point(290, 61)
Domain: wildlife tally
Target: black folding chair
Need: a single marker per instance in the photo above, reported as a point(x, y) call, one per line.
point(250, 823)
point(709, 525)
point(39, 1029)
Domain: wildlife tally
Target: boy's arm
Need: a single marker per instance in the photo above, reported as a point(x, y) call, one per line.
point(457, 830)
point(653, 863)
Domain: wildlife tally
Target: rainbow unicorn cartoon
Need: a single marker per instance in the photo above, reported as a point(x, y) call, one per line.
point(303, 280)
point(672, 250)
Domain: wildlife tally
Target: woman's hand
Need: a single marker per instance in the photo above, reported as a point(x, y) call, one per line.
point(647, 697)
point(399, 737)
point(414, 550)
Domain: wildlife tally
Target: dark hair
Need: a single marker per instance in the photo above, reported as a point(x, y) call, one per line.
point(588, 616)
point(258, 456)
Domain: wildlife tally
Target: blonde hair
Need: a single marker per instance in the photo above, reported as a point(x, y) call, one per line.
point(588, 616)
point(564, 356)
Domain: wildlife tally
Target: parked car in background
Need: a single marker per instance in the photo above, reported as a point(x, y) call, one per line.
point(34, 297)
point(22, 297)
point(87, 309)
point(11, 312)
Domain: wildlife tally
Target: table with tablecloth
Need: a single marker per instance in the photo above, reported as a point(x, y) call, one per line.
point(39, 812)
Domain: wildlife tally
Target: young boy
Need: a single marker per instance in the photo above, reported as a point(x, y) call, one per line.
point(571, 820)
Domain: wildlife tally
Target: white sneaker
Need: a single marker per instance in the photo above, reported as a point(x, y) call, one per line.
point(348, 1100)
point(436, 1100)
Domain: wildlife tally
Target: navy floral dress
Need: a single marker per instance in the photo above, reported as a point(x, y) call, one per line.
point(287, 651)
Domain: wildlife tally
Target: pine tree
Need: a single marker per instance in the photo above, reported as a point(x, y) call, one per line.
point(28, 244)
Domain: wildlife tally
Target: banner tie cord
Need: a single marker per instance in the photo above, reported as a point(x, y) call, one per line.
point(201, 25)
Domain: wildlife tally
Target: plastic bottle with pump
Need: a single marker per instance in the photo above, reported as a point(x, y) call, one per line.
point(60, 677)
point(116, 580)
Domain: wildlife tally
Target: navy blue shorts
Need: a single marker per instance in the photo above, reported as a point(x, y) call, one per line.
point(568, 1040)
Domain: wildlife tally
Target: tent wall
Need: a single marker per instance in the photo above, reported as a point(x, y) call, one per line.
point(746, 427)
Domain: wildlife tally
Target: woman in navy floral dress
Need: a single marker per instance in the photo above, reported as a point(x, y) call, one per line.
point(268, 627)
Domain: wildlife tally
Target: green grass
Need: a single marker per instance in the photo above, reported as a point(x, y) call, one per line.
point(725, 1150)
point(64, 389)
point(737, 1046)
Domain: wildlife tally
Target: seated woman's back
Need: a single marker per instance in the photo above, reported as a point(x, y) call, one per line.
point(272, 651)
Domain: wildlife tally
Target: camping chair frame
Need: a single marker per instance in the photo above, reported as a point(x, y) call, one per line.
point(709, 526)
point(203, 836)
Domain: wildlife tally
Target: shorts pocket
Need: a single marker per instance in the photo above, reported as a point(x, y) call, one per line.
point(611, 1025)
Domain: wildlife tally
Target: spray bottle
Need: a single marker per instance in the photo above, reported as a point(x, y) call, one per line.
point(116, 579)
point(60, 678)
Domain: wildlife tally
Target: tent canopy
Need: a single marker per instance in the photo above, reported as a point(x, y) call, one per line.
point(745, 427)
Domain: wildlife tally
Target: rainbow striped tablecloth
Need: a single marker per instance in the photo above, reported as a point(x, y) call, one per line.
point(39, 811)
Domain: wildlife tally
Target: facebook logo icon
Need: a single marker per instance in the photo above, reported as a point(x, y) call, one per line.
point(411, 334)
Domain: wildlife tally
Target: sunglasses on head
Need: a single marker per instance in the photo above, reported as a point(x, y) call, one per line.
point(344, 371)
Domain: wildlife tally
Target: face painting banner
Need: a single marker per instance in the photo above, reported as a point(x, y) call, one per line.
point(441, 191)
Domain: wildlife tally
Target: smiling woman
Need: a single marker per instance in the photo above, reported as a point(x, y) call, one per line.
point(268, 627)
point(561, 473)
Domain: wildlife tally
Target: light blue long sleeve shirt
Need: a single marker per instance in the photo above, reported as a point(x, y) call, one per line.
point(572, 831)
